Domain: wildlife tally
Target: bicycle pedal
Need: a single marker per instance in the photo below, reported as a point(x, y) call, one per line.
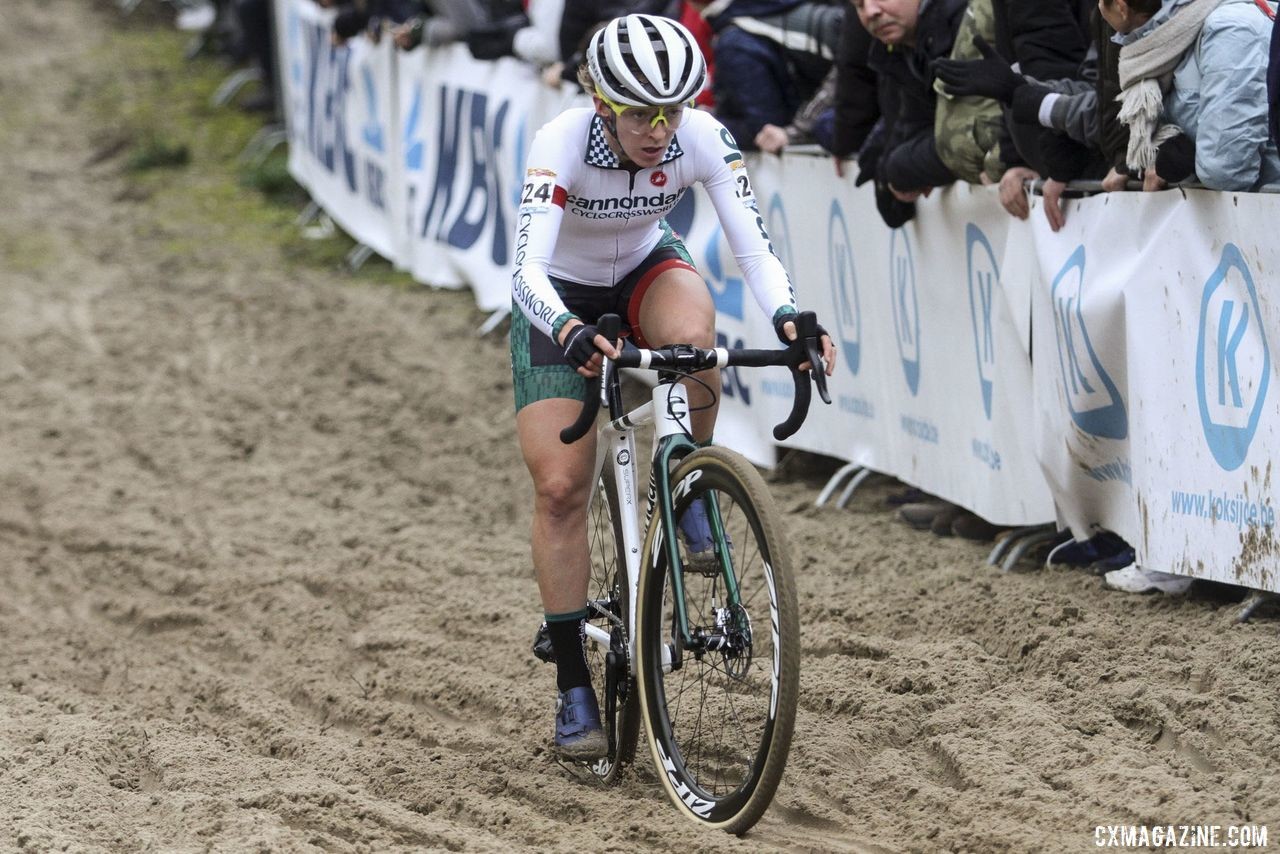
point(542, 649)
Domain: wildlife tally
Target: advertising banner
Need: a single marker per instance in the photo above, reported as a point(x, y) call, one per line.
point(1158, 417)
point(467, 126)
point(933, 383)
point(340, 108)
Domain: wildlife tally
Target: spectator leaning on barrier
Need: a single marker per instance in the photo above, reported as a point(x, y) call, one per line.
point(901, 155)
point(771, 58)
point(440, 22)
point(968, 128)
point(533, 36)
point(1064, 129)
point(856, 98)
point(581, 19)
point(1213, 121)
point(355, 17)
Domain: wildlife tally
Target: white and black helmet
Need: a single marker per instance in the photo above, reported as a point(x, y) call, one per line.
point(646, 61)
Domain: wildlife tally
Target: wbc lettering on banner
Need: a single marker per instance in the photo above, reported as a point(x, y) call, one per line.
point(906, 306)
point(1233, 362)
point(984, 275)
point(464, 197)
point(326, 87)
point(1092, 398)
point(333, 121)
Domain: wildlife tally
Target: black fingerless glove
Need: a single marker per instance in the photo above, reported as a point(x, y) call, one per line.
point(780, 322)
point(580, 345)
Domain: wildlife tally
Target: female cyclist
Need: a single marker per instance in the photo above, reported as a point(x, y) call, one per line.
point(591, 240)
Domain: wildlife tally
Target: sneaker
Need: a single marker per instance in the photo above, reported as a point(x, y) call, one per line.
point(1111, 563)
point(920, 515)
point(941, 524)
point(971, 526)
point(1134, 579)
point(695, 530)
point(1102, 546)
point(579, 735)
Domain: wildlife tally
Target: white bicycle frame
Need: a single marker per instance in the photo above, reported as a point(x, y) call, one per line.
point(616, 440)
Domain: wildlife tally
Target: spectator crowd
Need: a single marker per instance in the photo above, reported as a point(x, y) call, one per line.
point(1026, 95)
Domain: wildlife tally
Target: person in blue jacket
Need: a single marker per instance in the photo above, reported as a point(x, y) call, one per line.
point(1213, 121)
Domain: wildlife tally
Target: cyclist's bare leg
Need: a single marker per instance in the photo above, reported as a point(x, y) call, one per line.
point(677, 309)
point(561, 487)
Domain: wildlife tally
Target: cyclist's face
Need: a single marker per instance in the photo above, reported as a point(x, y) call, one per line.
point(643, 133)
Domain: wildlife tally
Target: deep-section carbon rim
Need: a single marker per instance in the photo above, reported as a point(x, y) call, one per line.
point(720, 724)
point(608, 595)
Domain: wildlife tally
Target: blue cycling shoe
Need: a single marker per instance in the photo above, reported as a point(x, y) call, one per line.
point(695, 530)
point(579, 735)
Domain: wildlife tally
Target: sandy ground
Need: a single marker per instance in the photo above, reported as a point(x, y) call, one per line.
point(264, 580)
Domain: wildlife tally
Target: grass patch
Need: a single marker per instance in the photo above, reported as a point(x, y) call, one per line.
point(182, 156)
point(156, 151)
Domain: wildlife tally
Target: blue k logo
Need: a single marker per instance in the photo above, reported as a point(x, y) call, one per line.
point(1092, 398)
point(984, 276)
point(906, 306)
point(1233, 364)
point(845, 282)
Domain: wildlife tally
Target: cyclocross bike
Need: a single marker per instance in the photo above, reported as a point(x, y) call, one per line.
point(705, 652)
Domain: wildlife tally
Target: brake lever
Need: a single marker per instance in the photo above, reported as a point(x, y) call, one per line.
point(807, 331)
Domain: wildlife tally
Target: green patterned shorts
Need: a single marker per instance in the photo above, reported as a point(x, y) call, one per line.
point(538, 368)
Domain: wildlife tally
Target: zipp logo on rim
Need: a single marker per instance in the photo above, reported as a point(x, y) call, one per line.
point(1233, 362)
point(697, 805)
point(1091, 396)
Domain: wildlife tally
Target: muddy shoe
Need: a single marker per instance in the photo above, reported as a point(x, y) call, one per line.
point(579, 735)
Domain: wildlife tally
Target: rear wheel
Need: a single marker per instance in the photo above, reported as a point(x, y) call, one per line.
point(608, 611)
point(719, 710)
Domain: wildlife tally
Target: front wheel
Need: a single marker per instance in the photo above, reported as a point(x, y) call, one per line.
point(719, 705)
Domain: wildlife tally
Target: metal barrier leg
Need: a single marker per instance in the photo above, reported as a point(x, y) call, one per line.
point(857, 480)
point(233, 84)
point(1256, 600)
point(357, 256)
point(834, 481)
point(308, 214)
point(266, 140)
point(493, 321)
point(1034, 536)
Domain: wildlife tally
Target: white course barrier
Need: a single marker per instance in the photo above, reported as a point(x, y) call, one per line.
point(1146, 411)
point(1156, 386)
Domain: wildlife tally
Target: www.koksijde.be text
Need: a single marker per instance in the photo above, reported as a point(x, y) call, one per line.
point(1220, 507)
point(1180, 836)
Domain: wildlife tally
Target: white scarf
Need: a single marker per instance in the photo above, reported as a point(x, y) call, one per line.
point(1146, 72)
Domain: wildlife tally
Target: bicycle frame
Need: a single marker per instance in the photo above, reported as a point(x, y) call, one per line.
point(671, 442)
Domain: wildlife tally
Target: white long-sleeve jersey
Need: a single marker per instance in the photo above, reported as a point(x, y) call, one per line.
point(585, 219)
